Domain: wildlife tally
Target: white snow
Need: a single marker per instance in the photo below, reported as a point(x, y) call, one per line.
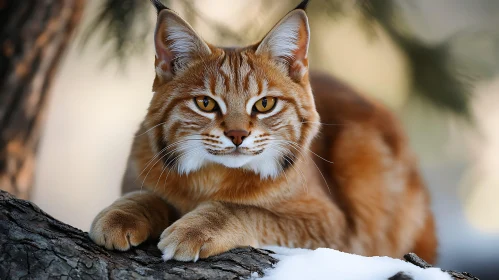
point(331, 264)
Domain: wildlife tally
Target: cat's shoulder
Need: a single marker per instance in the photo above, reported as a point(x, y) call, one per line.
point(342, 105)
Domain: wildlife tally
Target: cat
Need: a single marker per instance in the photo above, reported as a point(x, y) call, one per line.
point(231, 153)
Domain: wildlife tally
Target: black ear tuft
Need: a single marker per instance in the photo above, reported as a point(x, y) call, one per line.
point(302, 5)
point(158, 5)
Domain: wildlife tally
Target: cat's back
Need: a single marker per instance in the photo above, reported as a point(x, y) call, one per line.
point(374, 176)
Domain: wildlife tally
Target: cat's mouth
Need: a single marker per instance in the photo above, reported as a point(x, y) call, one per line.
point(235, 152)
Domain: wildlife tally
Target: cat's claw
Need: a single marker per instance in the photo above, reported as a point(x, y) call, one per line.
point(118, 230)
point(190, 239)
point(169, 254)
point(182, 244)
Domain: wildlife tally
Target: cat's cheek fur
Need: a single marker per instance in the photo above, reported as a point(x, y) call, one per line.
point(191, 163)
point(265, 164)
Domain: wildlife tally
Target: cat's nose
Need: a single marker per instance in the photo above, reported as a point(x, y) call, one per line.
point(237, 136)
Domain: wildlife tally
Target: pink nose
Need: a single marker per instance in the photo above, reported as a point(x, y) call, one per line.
point(237, 136)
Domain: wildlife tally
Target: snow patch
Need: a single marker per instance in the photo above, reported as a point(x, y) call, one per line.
point(331, 264)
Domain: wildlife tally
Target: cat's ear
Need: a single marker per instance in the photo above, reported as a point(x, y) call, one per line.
point(287, 43)
point(177, 45)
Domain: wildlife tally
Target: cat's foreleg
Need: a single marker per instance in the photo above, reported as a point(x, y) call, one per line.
point(131, 220)
point(216, 227)
point(210, 229)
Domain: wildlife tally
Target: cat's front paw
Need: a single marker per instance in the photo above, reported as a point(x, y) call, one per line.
point(191, 238)
point(184, 242)
point(117, 229)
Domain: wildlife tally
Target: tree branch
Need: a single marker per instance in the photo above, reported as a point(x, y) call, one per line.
point(417, 261)
point(33, 245)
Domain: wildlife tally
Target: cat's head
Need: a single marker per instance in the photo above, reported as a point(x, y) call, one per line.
point(249, 107)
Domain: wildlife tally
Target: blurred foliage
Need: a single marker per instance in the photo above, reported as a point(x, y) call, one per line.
point(482, 39)
point(434, 74)
point(126, 23)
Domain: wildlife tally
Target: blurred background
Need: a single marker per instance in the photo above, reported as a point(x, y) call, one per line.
point(433, 62)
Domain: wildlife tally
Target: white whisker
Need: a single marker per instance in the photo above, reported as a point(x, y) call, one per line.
point(145, 132)
point(292, 164)
point(282, 169)
point(297, 145)
point(171, 163)
point(297, 148)
point(169, 153)
point(334, 124)
point(160, 152)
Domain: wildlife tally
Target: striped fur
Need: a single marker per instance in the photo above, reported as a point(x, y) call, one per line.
point(353, 186)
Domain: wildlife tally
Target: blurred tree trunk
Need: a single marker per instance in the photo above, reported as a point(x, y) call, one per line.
point(33, 37)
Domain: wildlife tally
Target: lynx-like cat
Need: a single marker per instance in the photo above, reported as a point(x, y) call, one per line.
point(230, 155)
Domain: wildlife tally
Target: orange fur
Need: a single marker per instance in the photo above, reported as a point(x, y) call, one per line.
point(370, 200)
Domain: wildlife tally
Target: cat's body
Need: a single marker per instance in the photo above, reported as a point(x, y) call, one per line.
point(354, 186)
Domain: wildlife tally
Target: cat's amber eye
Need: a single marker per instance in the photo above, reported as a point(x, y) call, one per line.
point(206, 103)
point(265, 104)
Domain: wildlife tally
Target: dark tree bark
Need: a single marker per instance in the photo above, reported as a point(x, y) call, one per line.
point(34, 245)
point(415, 260)
point(33, 37)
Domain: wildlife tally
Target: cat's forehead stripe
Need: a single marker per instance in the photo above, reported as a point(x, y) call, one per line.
point(220, 84)
point(235, 74)
point(225, 65)
point(245, 69)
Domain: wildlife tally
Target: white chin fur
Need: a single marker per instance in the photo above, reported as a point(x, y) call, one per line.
point(190, 164)
point(263, 164)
